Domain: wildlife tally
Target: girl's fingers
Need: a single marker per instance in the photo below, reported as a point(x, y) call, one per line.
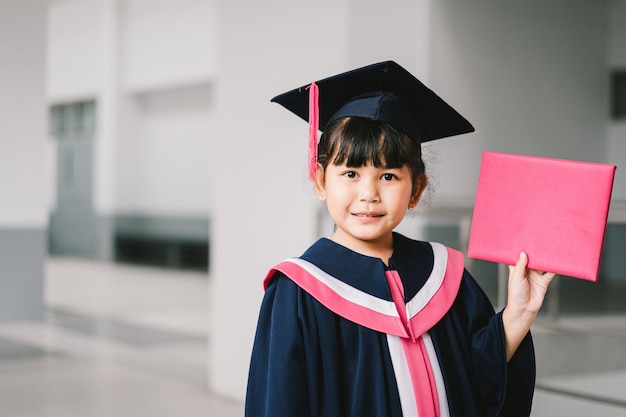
point(520, 266)
point(545, 277)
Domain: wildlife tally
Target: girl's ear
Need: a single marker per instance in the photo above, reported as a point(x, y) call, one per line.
point(320, 183)
point(420, 185)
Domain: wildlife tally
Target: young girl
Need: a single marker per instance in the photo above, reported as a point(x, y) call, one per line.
point(369, 322)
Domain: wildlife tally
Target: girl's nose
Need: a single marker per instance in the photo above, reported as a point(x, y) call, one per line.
point(369, 192)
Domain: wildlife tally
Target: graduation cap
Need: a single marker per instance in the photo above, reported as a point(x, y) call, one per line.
point(383, 91)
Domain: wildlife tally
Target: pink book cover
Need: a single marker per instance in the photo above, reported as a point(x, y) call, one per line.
point(554, 210)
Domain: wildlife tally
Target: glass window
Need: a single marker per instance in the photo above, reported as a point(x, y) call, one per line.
point(73, 121)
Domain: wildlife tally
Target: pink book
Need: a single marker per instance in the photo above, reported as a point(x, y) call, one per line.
point(554, 210)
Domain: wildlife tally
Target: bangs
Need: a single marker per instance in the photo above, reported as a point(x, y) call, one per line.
point(358, 142)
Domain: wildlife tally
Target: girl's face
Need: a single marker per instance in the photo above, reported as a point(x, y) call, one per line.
point(367, 203)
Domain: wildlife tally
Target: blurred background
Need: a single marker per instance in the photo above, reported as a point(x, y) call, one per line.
point(147, 183)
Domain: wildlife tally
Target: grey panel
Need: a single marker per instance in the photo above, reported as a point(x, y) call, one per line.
point(613, 266)
point(22, 255)
point(163, 227)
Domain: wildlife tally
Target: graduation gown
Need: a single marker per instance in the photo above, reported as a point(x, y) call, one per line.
point(339, 334)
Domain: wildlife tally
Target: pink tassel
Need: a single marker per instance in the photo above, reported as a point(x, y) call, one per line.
point(313, 128)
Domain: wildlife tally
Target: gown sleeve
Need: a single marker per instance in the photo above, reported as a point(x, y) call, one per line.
point(501, 388)
point(277, 382)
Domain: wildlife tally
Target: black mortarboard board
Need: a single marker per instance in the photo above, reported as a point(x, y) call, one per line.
point(384, 91)
point(388, 93)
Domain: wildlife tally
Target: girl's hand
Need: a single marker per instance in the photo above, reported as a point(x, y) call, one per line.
point(527, 287)
point(527, 290)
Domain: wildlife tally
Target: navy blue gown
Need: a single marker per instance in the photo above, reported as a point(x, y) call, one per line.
point(340, 334)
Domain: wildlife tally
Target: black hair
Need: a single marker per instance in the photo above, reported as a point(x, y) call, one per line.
point(356, 142)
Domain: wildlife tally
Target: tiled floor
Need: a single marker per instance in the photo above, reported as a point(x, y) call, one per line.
point(581, 366)
point(122, 340)
point(116, 341)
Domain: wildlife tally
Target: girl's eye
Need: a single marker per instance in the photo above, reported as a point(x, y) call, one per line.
point(350, 174)
point(388, 177)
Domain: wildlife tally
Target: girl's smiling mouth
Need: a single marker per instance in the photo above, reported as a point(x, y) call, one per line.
point(367, 215)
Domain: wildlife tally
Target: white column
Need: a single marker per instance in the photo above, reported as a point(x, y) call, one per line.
point(109, 110)
point(24, 159)
point(264, 208)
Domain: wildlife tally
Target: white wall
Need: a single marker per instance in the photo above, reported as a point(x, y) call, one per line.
point(150, 65)
point(168, 43)
point(163, 163)
point(531, 76)
point(110, 105)
point(24, 150)
point(168, 61)
point(74, 43)
point(399, 30)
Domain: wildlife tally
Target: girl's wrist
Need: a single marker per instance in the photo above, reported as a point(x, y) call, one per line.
point(518, 317)
point(516, 325)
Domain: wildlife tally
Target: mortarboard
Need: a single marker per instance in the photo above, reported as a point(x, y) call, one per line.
point(383, 91)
